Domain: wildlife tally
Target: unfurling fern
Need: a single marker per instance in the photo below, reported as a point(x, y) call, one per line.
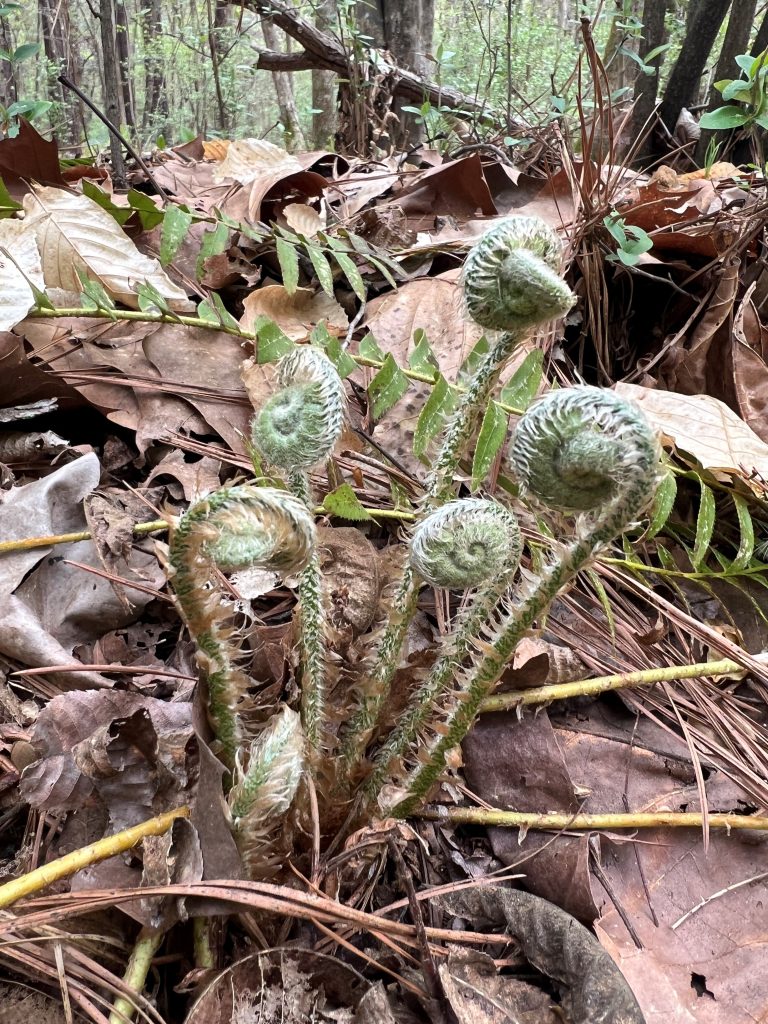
point(579, 448)
point(511, 284)
point(581, 451)
point(297, 429)
point(232, 529)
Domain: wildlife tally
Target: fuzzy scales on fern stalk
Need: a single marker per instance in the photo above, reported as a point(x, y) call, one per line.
point(579, 451)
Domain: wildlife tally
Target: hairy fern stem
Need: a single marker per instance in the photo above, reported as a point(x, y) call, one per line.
point(511, 284)
point(567, 428)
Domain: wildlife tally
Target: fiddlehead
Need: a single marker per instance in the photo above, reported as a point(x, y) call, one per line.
point(265, 788)
point(235, 528)
point(620, 488)
point(466, 543)
point(511, 277)
point(297, 428)
point(511, 283)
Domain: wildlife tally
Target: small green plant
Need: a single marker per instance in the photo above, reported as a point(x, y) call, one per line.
point(632, 241)
point(748, 93)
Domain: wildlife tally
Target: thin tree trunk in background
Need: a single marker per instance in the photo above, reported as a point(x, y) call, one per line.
point(155, 115)
point(57, 44)
point(8, 88)
point(216, 20)
point(405, 28)
point(619, 67)
point(286, 102)
point(735, 42)
point(647, 86)
point(123, 46)
point(324, 86)
point(761, 38)
point(683, 85)
point(111, 87)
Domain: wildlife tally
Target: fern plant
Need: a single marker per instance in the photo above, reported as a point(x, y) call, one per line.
point(584, 454)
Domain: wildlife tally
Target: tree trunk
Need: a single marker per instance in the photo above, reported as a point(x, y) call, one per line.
point(155, 116)
point(57, 43)
point(123, 47)
point(324, 86)
point(111, 87)
point(684, 81)
point(647, 86)
point(620, 68)
point(217, 19)
point(404, 28)
point(761, 39)
point(735, 42)
point(286, 103)
point(8, 86)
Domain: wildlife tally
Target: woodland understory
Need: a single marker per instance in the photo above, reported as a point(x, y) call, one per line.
point(384, 525)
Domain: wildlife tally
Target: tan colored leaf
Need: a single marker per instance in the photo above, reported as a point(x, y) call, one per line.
point(295, 314)
point(74, 233)
point(248, 159)
point(303, 219)
point(704, 427)
point(16, 298)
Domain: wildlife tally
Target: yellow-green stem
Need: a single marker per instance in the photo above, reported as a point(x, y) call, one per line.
point(111, 846)
point(147, 944)
point(602, 684)
point(591, 822)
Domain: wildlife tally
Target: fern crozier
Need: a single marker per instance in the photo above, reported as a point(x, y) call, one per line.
point(465, 543)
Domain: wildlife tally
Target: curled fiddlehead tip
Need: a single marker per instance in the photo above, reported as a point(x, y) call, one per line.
point(511, 276)
point(299, 426)
point(265, 787)
point(465, 543)
point(577, 448)
point(254, 527)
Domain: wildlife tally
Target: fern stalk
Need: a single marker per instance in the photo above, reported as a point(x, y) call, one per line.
point(511, 284)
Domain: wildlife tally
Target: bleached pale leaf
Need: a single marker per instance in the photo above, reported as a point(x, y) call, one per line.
point(74, 233)
point(248, 159)
point(303, 219)
point(16, 297)
point(705, 428)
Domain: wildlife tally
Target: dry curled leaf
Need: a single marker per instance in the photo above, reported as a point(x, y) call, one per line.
point(294, 314)
point(705, 428)
point(74, 233)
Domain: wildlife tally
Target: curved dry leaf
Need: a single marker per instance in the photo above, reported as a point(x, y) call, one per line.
point(215, 149)
point(74, 233)
point(303, 219)
point(295, 314)
point(595, 992)
point(248, 159)
point(16, 296)
point(705, 428)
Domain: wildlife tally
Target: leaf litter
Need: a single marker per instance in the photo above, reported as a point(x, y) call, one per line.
point(157, 413)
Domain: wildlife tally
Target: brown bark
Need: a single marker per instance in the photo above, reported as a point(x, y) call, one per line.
point(324, 84)
point(111, 86)
point(8, 85)
point(403, 28)
point(216, 23)
point(322, 50)
point(57, 39)
point(647, 86)
point(123, 47)
point(684, 82)
point(619, 68)
point(155, 99)
point(735, 42)
point(286, 103)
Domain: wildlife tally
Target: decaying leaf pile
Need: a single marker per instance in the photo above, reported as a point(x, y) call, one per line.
point(111, 420)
